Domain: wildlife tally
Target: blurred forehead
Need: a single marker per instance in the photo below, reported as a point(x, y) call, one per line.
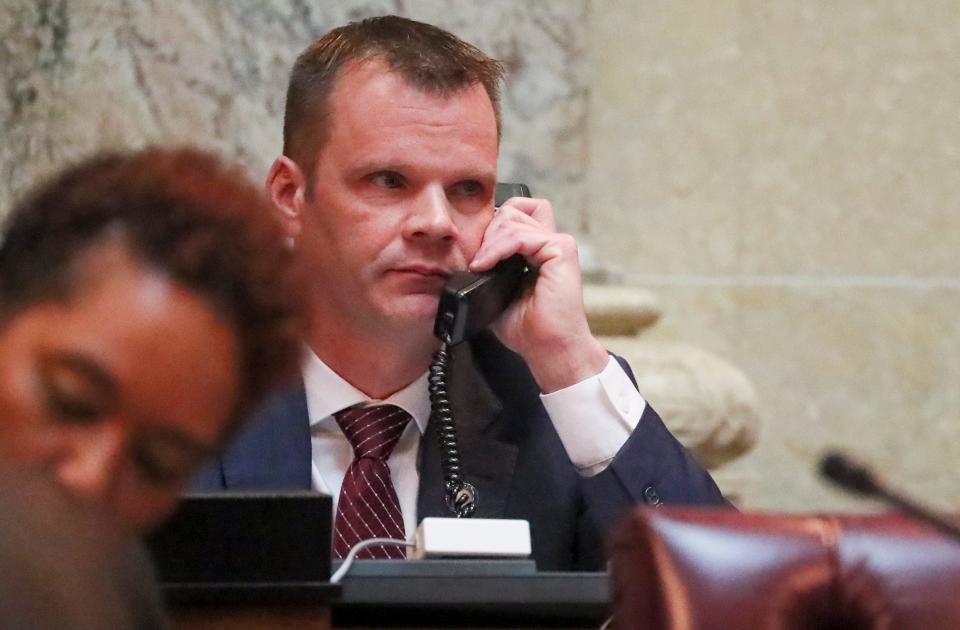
point(149, 331)
point(104, 259)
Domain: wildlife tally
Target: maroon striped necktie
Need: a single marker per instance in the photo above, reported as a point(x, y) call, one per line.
point(368, 506)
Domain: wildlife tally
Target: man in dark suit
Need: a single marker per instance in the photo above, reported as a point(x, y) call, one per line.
point(385, 187)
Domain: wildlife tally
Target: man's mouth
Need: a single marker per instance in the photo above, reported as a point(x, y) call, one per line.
point(427, 271)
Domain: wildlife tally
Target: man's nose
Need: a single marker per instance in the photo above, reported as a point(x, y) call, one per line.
point(91, 468)
point(431, 217)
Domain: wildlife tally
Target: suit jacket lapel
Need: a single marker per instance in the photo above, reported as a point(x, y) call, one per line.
point(488, 462)
point(273, 449)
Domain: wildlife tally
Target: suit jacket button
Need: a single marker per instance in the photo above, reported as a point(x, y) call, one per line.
point(652, 497)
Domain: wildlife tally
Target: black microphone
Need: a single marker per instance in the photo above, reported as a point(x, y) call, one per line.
point(848, 474)
point(855, 477)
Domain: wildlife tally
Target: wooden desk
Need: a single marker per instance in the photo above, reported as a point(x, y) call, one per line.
point(469, 594)
point(306, 617)
point(250, 606)
point(425, 594)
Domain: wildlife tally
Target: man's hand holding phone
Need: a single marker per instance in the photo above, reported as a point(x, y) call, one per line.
point(547, 325)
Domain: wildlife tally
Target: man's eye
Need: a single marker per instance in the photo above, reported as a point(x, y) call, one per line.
point(468, 189)
point(388, 179)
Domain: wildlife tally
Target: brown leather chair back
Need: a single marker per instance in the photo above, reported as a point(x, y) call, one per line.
point(689, 568)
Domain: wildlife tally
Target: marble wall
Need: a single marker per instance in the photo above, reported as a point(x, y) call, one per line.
point(81, 75)
point(781, 174)
point(784, 176)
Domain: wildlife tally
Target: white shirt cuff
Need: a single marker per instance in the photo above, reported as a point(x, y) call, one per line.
point(595, 417)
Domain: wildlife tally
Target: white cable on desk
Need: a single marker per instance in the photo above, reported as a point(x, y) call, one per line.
point(360, 546)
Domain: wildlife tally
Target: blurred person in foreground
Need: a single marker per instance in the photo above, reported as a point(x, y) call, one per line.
point(66, 564)
point(147, 302)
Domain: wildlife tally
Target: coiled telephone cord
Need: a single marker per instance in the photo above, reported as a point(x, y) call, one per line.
point(461, 497)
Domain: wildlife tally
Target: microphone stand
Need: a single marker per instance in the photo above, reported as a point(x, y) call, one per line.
point(855, 477)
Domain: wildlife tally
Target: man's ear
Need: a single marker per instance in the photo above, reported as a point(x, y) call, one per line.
point(287, 188)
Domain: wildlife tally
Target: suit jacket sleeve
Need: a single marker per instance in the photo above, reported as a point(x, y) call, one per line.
point(651, 468)
point(569, 514)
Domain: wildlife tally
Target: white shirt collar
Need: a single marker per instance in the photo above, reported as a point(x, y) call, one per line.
point(327, 393)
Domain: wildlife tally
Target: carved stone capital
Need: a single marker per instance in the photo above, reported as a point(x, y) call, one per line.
point(709, 404)
point(620, 310)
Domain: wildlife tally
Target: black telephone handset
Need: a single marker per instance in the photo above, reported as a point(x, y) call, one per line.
point(470, 302)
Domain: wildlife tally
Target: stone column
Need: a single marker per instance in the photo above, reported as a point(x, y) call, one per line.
point(707, 402)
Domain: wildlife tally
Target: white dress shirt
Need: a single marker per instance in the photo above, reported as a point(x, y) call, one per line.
point(609, 399)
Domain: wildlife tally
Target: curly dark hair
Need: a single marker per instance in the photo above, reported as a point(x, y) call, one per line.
point(183, 212)
point(429, 58)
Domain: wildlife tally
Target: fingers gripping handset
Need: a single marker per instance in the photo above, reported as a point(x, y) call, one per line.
point(470, 302)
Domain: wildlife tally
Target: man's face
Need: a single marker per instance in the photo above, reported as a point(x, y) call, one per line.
point(403, 190)
point(119, 392)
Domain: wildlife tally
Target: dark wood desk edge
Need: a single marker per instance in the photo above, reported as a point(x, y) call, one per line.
point(247, 594)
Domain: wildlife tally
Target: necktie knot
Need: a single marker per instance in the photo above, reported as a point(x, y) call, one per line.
point(373, 431)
